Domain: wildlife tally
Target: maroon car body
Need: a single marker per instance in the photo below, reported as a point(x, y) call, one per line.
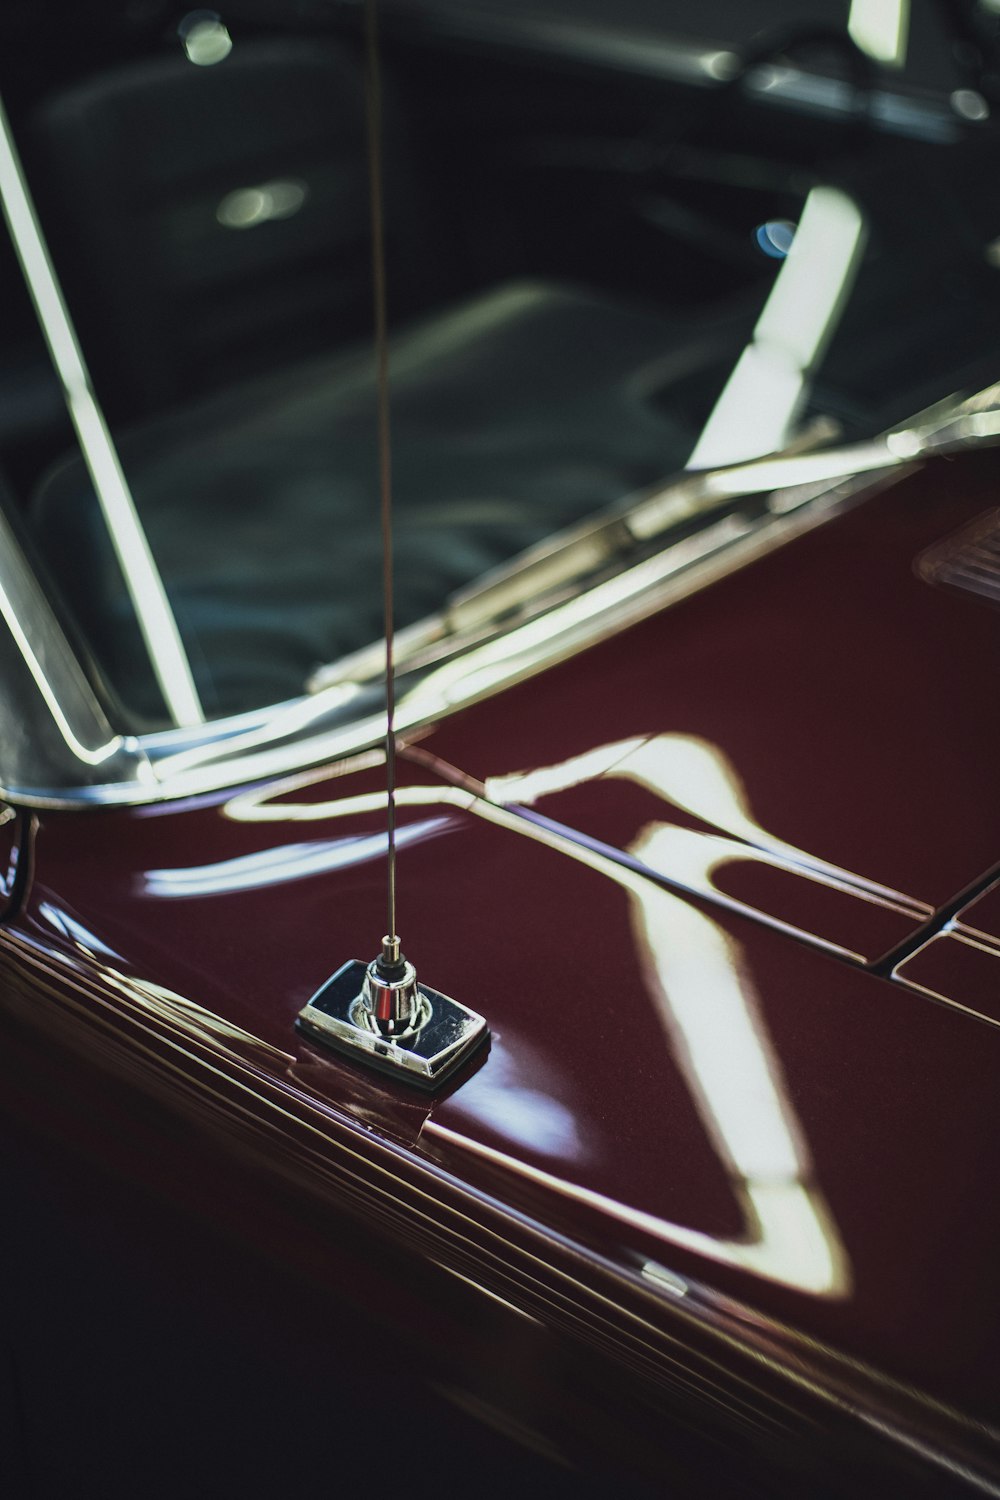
point(714, 1210)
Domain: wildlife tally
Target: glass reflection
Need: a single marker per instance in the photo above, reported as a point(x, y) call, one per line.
point(761, 402)
point(205, 39)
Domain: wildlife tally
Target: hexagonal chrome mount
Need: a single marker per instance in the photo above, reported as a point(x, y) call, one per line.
point(380, 1016)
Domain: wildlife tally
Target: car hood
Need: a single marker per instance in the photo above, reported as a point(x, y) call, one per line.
point(677, 875)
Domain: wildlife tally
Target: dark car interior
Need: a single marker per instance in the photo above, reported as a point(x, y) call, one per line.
point(579, 204)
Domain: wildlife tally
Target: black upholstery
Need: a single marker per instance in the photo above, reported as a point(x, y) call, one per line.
point(132, 168)
point(513, 414)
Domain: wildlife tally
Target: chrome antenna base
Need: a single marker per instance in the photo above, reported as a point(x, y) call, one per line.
point(390, 993)
point(379, 1015)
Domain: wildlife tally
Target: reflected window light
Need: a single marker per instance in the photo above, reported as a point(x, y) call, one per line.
point(775, 237)
point(970, 105)
point(245, 208)
point(505, 1102)
point(205, 39)
point(270, 867)
point(761, 401)
point(722, 66)
point(880, 28)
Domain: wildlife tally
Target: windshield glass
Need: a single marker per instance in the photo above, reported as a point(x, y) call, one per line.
point(622, 242)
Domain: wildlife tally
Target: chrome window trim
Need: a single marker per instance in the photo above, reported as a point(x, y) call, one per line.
point(154, 616)
point(58, 748)
point(347, 717)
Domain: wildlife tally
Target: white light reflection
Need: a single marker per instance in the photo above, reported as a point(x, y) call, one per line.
point(245, 208)
point(697, 777)
point(269, 867)
point(970, 104)
point(206, 40)
point(760, 403)
point(881, 29)
point(256, 806)
point(81, 937)
point(142, 580)
point(710, 1016)
point(180, 1013)
point(526, 1116)
point(90, 755)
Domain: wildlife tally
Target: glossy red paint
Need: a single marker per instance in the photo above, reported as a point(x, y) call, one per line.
point(692, 1140)
point(828, 683)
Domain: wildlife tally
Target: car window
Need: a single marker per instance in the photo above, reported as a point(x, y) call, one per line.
point(622, 244)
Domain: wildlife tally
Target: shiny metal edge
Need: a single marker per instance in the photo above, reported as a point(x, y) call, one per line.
point(347, 718)
point(446, 1037)
point(153, 614)
point(51, 723)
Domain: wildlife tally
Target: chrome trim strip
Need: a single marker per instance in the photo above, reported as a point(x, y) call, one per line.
point(51, 724)
point(348, 716)
point(142, 579)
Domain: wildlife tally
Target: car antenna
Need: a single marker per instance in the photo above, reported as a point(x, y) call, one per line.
point(377, 1013)
point(390, 964)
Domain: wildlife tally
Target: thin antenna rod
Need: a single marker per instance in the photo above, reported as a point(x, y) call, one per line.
point(373, 101)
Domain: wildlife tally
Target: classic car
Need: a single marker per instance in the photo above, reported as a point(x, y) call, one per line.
point(669, 1173)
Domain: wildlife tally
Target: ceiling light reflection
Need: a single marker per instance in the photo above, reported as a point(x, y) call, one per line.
point(760, 403)
point(245, 208)
point(526, 1116)
point(775, 237)
point(880, 28)
point(205, 39)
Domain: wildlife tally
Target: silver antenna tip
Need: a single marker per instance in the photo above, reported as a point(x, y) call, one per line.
point(390, 955)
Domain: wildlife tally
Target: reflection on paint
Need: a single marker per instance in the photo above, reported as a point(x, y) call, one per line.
point(523, 1115)
point(710, 1013)
point(256, 806)
point(167, 1006)
point(180, 1013)
point(269, 867)
point(690, 774)
point(711, 1018)
point(712, 1023)
point(81, 937)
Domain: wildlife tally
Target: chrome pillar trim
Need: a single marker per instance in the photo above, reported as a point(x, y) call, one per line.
point(435, 1035)
point(142, 579)
point(53, 731)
